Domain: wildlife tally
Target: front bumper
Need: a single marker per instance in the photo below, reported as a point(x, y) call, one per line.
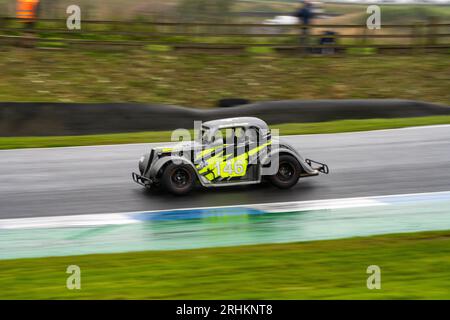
point(321, 167)
point(143, 181)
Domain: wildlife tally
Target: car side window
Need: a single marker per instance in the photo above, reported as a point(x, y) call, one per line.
point(239, 134)
point(251, 135)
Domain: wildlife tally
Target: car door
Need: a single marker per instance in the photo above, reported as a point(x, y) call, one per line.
point(228, 162)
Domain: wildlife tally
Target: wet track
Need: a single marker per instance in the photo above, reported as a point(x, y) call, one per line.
point(83, 180)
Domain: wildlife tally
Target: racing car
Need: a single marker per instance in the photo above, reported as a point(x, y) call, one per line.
point(227, 152)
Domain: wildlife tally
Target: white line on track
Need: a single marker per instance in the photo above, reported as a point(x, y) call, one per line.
point(131, 217)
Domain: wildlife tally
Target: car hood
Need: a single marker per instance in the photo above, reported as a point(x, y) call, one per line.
point(177, 147)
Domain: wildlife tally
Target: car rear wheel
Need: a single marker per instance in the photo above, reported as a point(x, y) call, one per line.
point(288, 172)
point(178, 179)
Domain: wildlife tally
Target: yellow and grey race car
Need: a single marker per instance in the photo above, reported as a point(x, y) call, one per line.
point(234, 151)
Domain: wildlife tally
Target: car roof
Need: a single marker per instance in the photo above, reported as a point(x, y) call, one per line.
point(236, 122)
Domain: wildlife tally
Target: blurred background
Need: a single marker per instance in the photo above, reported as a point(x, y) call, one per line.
point(152, 51)
point(237, 11)
point(139, 68)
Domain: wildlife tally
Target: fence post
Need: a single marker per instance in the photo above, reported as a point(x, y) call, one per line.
point(2, 25)
point(432, 30)
point(415, 40)
point(364, 40)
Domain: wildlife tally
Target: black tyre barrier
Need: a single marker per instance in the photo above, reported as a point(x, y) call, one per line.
point(43, 119)
point(232, 102)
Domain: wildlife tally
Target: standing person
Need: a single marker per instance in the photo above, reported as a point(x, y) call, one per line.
point(27, 12)
point(305, 14)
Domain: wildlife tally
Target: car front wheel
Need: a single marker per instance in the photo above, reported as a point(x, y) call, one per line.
point(178, 179)
point(288, 173)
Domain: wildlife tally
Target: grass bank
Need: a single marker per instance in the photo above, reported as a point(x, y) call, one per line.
point(200, 80)
point(413, 266)
point(161, 136)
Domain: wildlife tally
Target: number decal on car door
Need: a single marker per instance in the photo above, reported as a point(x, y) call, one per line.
point(231, 168)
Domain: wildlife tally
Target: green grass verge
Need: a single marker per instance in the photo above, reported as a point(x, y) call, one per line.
point(259, 50)
point(161, 136)
point(158, 48)
point(361, 51)
point(413, 266)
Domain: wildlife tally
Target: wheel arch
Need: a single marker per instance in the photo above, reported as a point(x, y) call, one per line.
point(285, 151)
point(158, 167)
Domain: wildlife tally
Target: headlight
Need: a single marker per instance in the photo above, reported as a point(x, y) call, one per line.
point(143, 163)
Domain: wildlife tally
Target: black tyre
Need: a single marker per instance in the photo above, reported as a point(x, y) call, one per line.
point(288, 172)
point(178, 179)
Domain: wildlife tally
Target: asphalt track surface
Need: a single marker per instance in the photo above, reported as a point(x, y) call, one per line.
point(97, 179)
